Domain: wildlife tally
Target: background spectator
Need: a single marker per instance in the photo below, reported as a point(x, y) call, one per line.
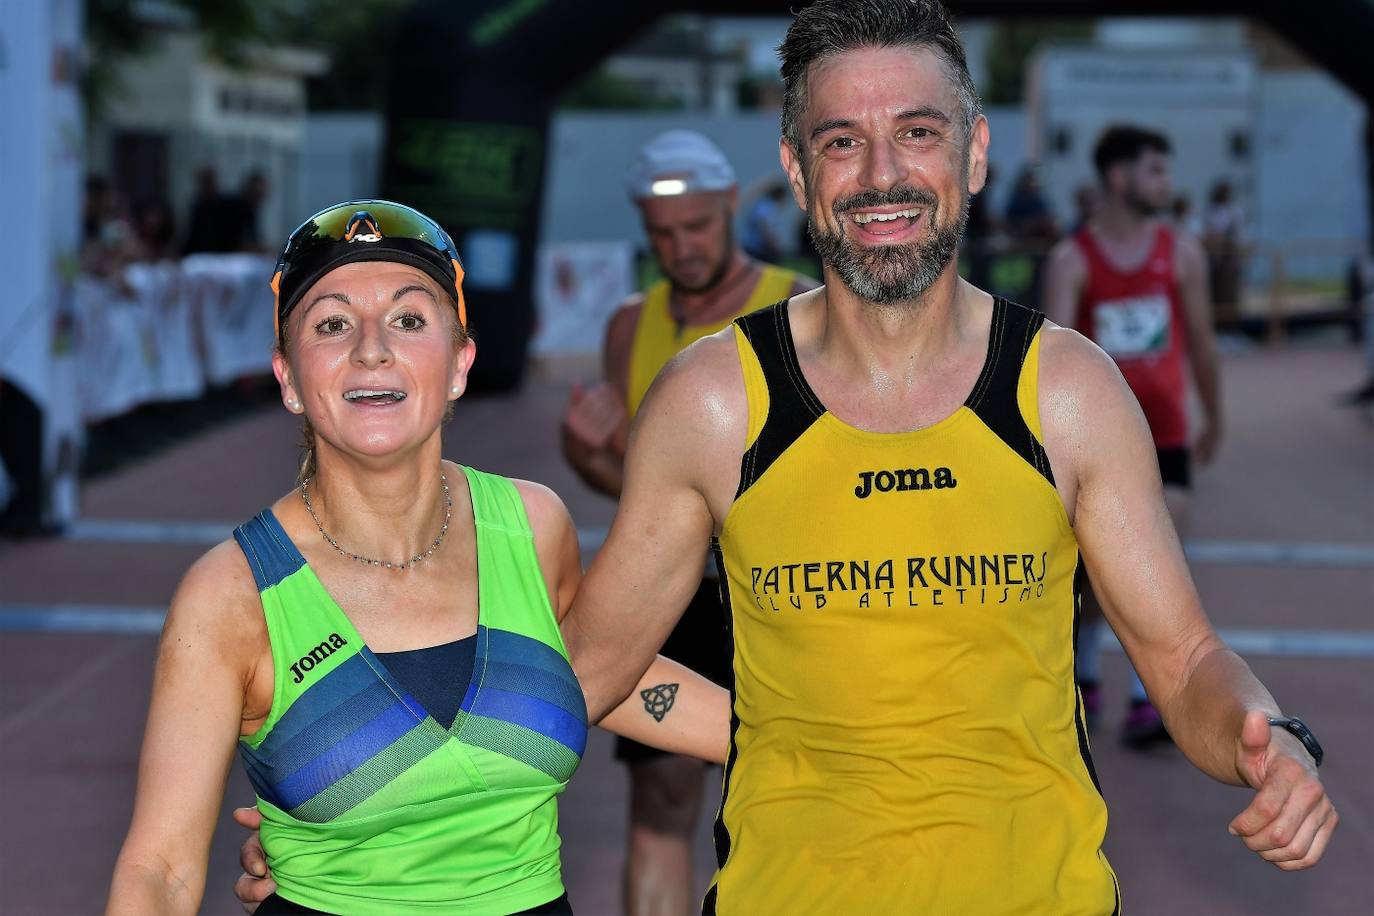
point(1029, 217)
point(206, 226)
point(760, 238)
point(1221, 239)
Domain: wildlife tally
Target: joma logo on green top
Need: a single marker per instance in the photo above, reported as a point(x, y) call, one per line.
point(334, 643)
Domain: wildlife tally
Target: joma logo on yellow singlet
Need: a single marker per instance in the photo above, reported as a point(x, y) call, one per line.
point(902, 479)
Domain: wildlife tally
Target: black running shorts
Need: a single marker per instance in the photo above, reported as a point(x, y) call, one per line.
point(1175, 467)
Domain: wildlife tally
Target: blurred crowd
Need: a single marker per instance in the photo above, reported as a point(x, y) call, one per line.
point(117, 232)
point(1004, 249)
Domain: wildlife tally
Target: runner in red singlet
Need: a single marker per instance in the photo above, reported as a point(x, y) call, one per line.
point(1139, 289)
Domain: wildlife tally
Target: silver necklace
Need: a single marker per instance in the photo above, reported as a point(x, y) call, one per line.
point(448, 512)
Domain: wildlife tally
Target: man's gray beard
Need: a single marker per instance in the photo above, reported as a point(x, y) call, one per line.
point(891, 273)
point(717, 274)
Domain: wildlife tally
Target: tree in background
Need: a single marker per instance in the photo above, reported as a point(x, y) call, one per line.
point(1012, 44)
point(346, 29)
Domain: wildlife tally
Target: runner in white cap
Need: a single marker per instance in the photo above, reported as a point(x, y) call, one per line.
point(685, 190)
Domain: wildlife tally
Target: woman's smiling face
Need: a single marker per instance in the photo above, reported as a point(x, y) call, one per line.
point(373, 358)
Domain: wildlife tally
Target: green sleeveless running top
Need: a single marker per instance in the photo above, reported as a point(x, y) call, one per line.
point(370, 805)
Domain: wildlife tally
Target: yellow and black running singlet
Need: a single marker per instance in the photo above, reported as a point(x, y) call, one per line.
point(658, 338)
point(907, 737)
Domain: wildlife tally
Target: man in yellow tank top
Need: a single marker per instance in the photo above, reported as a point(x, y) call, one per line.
point(685, 190)
point(904, 479)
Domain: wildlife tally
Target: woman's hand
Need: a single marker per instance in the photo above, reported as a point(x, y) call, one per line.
point(255, 884)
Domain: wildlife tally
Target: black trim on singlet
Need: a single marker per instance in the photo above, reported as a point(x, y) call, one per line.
point(277, 905)
point(993, 397)
point(1080, 721)
point(792, 405)
point(720, 832)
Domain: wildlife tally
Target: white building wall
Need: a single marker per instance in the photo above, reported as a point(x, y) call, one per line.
point(1312, 189)
point(1171, 31)
point(236, 120)
point(589, 154)
point(341, 159)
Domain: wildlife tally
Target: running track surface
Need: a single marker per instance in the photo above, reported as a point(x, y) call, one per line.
point(1282, 542)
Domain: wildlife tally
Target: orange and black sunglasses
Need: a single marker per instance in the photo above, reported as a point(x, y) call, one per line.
point(364, 230)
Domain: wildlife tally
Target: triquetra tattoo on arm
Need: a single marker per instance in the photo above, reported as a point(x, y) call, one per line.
point(658, 700)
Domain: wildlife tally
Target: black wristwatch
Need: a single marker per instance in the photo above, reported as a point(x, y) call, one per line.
point(1298, 729)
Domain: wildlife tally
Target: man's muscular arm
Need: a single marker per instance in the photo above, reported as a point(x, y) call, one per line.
point(1214, 707)
point(687, 440)
point(672, 707)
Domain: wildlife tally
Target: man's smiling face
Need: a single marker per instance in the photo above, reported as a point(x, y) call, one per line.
point(886, 170)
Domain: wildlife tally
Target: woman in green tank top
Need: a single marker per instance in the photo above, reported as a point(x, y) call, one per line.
point(381, 645)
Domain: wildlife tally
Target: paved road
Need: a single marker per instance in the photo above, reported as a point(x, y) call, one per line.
point(1283, 545)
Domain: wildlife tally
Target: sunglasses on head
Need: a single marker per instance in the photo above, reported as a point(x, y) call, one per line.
point(364, 230)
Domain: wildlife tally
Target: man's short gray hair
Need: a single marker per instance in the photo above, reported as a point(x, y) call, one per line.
point(827, 28)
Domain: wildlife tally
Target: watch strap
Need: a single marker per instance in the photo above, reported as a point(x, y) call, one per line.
point(1298, 729)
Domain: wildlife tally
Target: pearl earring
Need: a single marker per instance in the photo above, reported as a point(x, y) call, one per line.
point(456, 391)
point(294, 404)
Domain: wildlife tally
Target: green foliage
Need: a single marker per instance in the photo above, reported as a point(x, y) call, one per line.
point(1012, 44)
point(602, 90)
point(499, 23)
point(347, 30)
point(117, 30)
point(113, 33)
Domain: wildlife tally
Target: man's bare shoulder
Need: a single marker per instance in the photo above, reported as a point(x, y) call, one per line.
point(1188, 252)
point(620, 328)
point(1066, 255)
point(628, 309)
point(1068, 358)
point(1080, 385)
point(691, 429)
point(712, 363)
point(701, 389)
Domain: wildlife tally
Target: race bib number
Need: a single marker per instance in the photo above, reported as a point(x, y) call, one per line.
point(1133, 327)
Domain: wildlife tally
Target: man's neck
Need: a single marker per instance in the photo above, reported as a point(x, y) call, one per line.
point(721, 299)
point(903, 337)
point(1119, 221)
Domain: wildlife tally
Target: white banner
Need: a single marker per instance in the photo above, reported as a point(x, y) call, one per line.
point(577, 286)
point(170, 330)
point(231, 296)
